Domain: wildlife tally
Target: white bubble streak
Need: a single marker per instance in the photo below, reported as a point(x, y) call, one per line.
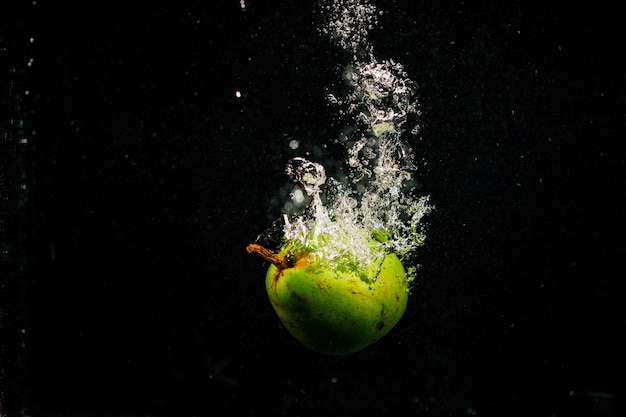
point(379, 195)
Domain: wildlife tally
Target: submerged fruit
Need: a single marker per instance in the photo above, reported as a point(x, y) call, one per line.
point(334, 311)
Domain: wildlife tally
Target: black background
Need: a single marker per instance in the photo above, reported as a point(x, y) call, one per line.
point(147, 177)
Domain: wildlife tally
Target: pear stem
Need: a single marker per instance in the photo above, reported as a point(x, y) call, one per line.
point(268, 255)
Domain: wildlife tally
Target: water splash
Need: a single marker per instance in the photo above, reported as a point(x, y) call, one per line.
point(375, 210)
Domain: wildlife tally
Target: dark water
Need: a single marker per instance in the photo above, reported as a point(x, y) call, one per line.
point(126, 288)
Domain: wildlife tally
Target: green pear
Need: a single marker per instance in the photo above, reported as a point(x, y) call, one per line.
point(334, 312)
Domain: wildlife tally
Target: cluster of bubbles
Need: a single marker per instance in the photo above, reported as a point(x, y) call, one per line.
point(349, 23)
point(379, 194)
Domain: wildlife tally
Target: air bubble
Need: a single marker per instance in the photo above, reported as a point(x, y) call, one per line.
point(309, 174)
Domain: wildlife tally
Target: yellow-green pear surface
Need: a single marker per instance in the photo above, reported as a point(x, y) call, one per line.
point(335, 312)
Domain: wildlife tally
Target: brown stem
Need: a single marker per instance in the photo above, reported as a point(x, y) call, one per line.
point(268, 255)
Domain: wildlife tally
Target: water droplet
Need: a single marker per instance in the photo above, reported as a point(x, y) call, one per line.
point(294, 144)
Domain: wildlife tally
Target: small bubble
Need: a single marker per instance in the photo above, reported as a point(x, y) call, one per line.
point(298, 196)
point(288, 207)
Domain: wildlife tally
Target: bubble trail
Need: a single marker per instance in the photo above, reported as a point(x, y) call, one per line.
point(378, 198)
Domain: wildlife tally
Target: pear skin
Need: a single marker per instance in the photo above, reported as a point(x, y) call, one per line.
point(335, 312)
